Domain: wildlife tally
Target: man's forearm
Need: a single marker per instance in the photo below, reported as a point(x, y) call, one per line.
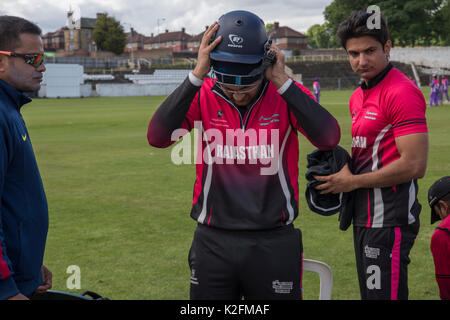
point(396, 172)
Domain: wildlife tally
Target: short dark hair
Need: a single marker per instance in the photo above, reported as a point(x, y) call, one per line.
point(356, 26)
point(446, 198)
point(10, 30)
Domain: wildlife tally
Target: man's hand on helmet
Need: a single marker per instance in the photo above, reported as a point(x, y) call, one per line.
point(203, 61)
point(275, 72)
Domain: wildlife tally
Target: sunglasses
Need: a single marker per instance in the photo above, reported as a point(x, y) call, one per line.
point(33, 59)
point(246, 89)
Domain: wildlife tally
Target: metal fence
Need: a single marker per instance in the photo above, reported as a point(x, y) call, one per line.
point(318, 57)
point(108, 63)
point(334, 83)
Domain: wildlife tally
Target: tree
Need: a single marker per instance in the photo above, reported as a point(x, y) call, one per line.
point(269, 27)
point(339, 10)
point(441, 25)
point(108, 34)
point(317, 37)
point(410, 22)
point(320, 36)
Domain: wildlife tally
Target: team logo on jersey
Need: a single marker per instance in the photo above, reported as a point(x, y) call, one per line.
point(236, 41)
point(266, 121)
point(282, 287)
point(24, 137)
point(359, 142)
point(371, 253)
point(220, 113)
point(371, 115)
point(194, 279)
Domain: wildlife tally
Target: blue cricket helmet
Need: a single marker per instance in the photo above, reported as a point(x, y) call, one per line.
point(239, 59)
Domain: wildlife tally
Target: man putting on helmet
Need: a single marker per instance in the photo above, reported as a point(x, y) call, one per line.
point(249, 112)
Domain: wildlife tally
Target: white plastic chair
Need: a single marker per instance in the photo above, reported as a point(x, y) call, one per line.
point(325, 274)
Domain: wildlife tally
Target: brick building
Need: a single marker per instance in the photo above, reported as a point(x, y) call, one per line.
point(54, 41)
point(287, 39)
point(176, 40)
point(78, 34)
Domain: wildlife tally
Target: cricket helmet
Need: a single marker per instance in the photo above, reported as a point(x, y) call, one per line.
point(243, 54)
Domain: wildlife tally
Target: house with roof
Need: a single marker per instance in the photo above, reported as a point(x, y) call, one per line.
point(54, 41)
point(78, 35)
point(194, 43)
point(134, 41)
point(175, 40)
point(287, 39)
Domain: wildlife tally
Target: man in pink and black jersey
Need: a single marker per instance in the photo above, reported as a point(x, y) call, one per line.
point(246, 190)
point(389, 154)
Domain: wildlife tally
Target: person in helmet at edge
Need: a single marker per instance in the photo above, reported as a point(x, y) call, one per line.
point(246, 190)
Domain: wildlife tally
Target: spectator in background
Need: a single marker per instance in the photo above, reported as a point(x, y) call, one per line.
point(439, 201)
point(23, 204)
point(316, 87)
point(413, 81)
point(444, 88)
point(434, 93)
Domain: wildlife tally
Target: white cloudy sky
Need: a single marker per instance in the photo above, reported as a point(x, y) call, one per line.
point(143, 15)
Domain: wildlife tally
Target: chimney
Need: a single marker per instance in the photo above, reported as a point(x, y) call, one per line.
point(70, 22)
point(183, 30)
point(276, 25)
point(167, 30)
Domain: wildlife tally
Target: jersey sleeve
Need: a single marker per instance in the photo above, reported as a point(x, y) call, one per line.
point(179, 111)
point(406, 111)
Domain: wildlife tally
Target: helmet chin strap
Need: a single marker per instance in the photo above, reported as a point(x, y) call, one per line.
point(268, 59)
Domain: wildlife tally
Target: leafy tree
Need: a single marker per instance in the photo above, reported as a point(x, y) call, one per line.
point(269, 27)
point(317, 36)
point(108, 34)
point(410, 22)
point(339, 10)
point(441, 26)
point(320, 36)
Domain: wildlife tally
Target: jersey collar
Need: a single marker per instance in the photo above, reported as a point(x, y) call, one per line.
point(377, 79)
point(17, 97)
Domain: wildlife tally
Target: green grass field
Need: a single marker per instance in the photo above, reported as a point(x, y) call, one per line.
point(119, 209)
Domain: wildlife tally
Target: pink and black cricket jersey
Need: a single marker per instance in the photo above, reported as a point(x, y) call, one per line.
point(247, 165)
point(391, 106)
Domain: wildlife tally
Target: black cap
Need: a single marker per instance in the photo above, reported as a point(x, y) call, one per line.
point(437, 191)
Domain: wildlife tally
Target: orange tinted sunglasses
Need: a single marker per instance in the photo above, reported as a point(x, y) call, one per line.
point(33, 59)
